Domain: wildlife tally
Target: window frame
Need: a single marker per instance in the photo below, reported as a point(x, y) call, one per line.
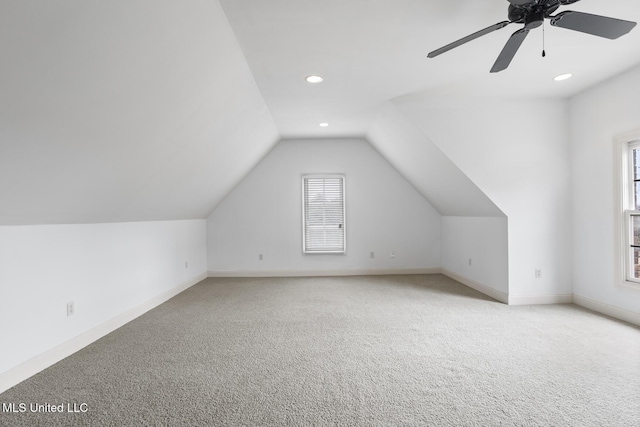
point(625, 209)
point(307, 251)
point(630, 212)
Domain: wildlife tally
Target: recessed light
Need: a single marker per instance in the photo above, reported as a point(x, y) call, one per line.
point(563, 77)
point(314, 79)
point(324, 125)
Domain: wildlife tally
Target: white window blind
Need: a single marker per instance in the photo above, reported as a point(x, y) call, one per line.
point(323, 219)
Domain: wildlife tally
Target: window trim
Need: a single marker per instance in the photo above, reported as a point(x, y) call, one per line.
point(305, 251)
point(624, 197)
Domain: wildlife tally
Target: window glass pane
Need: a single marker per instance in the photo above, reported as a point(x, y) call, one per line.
point(636, 178)
point(636, 163)
point(635, 267)
point(635, 227)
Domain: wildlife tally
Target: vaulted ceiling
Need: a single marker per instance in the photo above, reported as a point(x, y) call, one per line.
point(371, 51)
point(156, 109)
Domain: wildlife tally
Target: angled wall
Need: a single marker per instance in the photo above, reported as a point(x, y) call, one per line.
point(517, 152)
point(263, 215)
point(427, 167)
point(474, 229)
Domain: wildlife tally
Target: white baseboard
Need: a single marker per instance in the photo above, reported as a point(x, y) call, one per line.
point(321, 273)
point(540, 299)
point(38, 363)
point(488, 291)
point(609, 310)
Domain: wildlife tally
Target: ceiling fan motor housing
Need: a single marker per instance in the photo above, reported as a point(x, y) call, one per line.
point(534, 19)
point(533, 13)
point(528, 4)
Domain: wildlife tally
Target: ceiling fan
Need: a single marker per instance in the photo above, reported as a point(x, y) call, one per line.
point(532, 14)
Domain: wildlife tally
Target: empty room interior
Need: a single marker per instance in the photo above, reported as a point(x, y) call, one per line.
point(284, 212)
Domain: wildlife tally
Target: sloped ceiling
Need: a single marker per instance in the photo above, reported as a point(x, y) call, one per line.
point(154, 109)
point(433, 174)
point(123, 111)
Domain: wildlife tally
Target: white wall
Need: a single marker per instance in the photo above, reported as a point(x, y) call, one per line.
point(263, 215)
point(518, 154)
point(476, 248)
point(597, 117)
point(105, 269)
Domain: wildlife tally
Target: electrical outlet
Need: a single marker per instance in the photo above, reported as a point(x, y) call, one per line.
point(259, 257)
point(538, 273)
point(71, 309)
point(372, 254)
point(470, 262)
point(393, 254)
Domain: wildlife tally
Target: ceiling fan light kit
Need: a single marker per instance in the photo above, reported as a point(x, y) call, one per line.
point(532, 14)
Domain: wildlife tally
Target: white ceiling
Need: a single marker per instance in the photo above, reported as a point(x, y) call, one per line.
point(371, 51)
point(143, 110)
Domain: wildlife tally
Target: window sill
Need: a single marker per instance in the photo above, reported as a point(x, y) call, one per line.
point(628, 284)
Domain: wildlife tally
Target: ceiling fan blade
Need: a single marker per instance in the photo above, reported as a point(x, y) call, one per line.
point(470, 37)
point(597, 25)
point(520, 2)
point(509, 50)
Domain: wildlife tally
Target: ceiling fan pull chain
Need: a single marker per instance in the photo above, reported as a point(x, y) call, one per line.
point(544, 53)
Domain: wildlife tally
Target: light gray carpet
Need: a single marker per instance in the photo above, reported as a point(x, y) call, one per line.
point(362, 351)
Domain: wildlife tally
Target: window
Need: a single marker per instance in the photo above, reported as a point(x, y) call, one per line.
point(627, 209)
point(632, 213)
point(323, 214)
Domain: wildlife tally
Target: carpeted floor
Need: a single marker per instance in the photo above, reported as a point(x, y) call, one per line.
point(351, 351)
